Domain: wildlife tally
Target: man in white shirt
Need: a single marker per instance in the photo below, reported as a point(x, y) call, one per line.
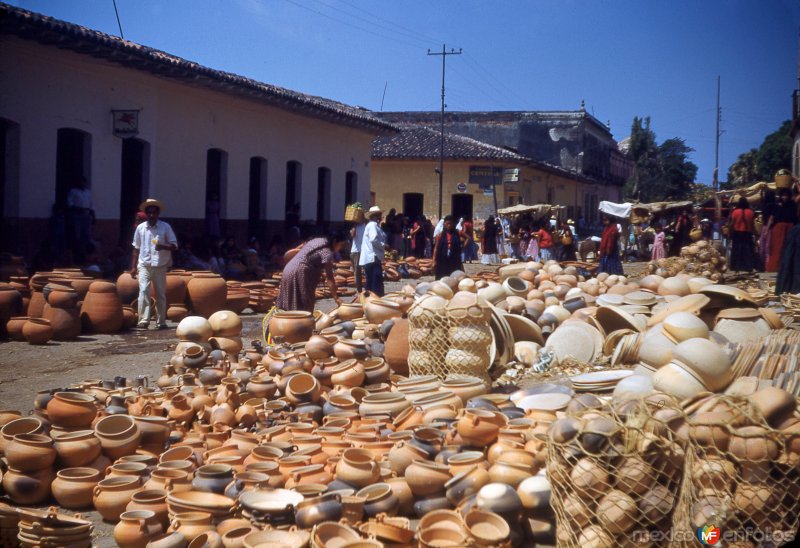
point(372, 250)
point(79, 206)
point(153, 244)
point(357, 234)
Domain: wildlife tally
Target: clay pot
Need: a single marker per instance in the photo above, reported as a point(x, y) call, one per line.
point(350, 311)
point(427, 478)
point(706, 360)
point(195, 329)
point(25, 425)
point(8, 415)
point(136, 528)
point(169, 480)
point(391, 403)
point(76, 449)
point(73, 487)
point(487, 528)
point(177, 312)
point(119, 435)
point(10, 306)
point(348, 373)
point(320, 347)
point(395, 351)
point(37, 331)
point(479, 427)
point(130, 317)
point(213, 478)
point(154, 432)
point(66, 322)
point(381, 310)
point(510, 473)
point(154, 500)
point(36, 304)
point(209, 539)
point(112, 495)
point(311, 511)
point(357, 467)
point(376, 371)
point(349, 349)
point(101, 311)
point(191, 524)
point(230, 345)
point(168, 540)
point(60, 296)
point(467, 483)
point(303, 388)
point(225, 323)
point(465, 388)
point(14, 327)
point(30, 452)
point(293, 326)
point(27, 488)
point(128, 288)
point(380, 499)
point(207, 293)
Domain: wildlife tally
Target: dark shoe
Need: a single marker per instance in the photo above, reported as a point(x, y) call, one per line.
point(161, 326)
point(141, 327)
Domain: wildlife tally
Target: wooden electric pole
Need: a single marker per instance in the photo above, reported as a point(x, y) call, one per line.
point(444, 55)
point(717, 204)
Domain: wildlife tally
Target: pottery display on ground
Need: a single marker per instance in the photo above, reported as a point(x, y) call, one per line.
point(101, 311)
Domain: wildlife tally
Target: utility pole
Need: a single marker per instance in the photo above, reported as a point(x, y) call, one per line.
point(717, 203)
point(444, 55)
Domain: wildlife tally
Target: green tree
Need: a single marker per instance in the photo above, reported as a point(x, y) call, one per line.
point(743, 171)
point(676, 172)
point(644, 153)
point(761, 164)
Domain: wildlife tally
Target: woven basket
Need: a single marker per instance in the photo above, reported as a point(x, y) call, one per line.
point(353, 214)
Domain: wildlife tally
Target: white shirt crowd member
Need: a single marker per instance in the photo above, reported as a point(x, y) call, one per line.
point(372, 245)
point(145, 239)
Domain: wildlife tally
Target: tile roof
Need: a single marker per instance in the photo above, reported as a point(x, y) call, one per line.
point(50, 31)
point(418, 143)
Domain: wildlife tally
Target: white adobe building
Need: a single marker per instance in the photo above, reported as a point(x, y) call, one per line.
point(262, 148)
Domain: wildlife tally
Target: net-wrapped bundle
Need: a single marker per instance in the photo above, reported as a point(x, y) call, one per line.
point(450, 338)
point(743, 468)
point(616, 473)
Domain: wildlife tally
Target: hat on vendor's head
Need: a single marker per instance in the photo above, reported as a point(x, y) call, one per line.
point(374, 210)
point(570, 222)
point(151, 202)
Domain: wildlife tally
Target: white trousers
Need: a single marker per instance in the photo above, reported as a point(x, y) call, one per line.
point(156, 275)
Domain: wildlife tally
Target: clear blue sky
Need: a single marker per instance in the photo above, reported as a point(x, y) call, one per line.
point(624, 57)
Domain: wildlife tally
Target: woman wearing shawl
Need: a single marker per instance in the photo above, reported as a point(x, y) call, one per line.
point(447, 252)
point(489, 241)
point(468, 237)
point(609, 248)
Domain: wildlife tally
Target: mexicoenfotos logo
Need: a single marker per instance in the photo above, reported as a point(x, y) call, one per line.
point(709, 535)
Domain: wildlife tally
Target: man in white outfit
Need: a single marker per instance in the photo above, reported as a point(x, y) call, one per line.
point(357, 233)
point(372, 252)
point(153, 244)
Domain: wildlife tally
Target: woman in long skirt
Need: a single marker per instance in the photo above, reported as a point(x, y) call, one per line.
point(302, 274)
point(743, 254)
point(468, 237)
point(784, 218)
point(489, 242)
point(659, 251)
point(447, 253)
point(609, 248)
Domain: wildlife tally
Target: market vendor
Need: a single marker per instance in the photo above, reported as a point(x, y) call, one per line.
point(372, 251)
point(609, 248)
point(447, 251)
point(304, 271)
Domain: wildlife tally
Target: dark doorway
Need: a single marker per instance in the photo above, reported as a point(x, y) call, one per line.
point(293, 184)
point(73, 161)
point(462, 206)
point(134, 182)
point(258, 188)
point(350, 188)
point(9, 184)
point(323, 195)
point(216, 187)
point(412, 204)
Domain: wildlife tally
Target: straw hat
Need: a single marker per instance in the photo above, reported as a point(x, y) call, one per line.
point(374, 210)
point(151, 202)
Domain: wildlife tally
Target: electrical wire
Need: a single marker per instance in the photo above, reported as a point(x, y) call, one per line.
point(119, 23)
point(421, 36)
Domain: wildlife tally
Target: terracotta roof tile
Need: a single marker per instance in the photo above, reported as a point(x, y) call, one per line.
point(417, 143)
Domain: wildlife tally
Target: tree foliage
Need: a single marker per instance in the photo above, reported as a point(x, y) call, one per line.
point(761, 164)
point(661, 172)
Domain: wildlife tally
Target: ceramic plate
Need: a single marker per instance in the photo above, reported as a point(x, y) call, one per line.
point(613, 318)
point(601, 377)
point(524, 329)
point(270, 499)
point(545, 402)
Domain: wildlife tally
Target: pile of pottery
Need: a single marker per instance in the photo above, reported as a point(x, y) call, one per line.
point(51, 528)
point(697, 259)
point(775, 357)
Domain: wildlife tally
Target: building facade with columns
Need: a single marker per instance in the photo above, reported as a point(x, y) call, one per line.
point(136, 122)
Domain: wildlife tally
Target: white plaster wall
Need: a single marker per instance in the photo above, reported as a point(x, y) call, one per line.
point(43, 88)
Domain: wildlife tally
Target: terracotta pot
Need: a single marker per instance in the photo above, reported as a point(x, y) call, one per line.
point(510, 473)
point(176, 287)
point(59, 296)
point(213, 478)
point(66, 322)
point(320, 347)
point(467, 483)
point(225, 323)
point(191, 524)
point(479, 427)
point(303, 388)
point(177, 312)
point(376, 371)
point(169, 481)
point(10, 306)
point(8, 415)
point(129, 317)
point(350, 311)
point(207, 293)
point(427, 478)
point(112, 495)
point(391, 403)
point(28, 488)
point(311, 511)
point(349, 349)
point(246, 481)
point(154, 500)
point(37, 331)
point(168, 540)
point(209, 539)
point(24, 425)
point(262, 387)
point(101, 311)
point(136, 528)
point(119, 435)
point(36, 304)
point(121, 468)
point(14, 327)
point(381, 310)
point(357, 467)
point(154, 432)
point(76, 449)
point(380, 499)
point(230, 345)
point(348, 373)
point(234, 538)
point(465, 388)
point(73, 487)
point(30, 452)
point(128, 288)
point(293, 326)
point(71, 409)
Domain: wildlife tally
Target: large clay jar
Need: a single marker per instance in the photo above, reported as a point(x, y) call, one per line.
point(391, 403)
point(10, 306)
point(303, 388)
point(395, 351)
point(129, 317)
point(176, 288)
point(128, 288)
point(154, 500)
point(426, 478)
point(479, 427)
point(36, 304)
point(30, 452)
point(66, 322)
point(112, 495)
point(207, 293)
point(195, 329)
point(14, 327)
point(357, 467)
point(71, 409)
point(381, 310)
point(212, 478)
point(349, 373)
point(24, 425)
point(191, 524)
point(60, 296)
point(225, 323)
point(73, 487)
point(101, 311)
point(119, 435)
point(37, 331)
point(27, 488)
point(292, 326)
point(154, 431)
point(350, 349)
point(136, 528)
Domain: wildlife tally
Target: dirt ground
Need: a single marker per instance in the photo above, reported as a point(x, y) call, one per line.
point(26, 369)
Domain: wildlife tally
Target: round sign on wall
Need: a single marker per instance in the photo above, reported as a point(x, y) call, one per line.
point(462, 187)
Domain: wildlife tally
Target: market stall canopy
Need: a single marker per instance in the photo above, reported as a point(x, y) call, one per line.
point(654, 208)
point(538, 210)
point(617, 210)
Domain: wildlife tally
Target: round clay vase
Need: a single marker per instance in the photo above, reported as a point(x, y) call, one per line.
point(292, 326)
point(24, 425)
point(191, 524)
point(66, 322)
point(357, 467)
point(111, 495)
point(60, 296)
point(303, 388)
point(349, 349)
point(10, 306)
point(479, 427)
point(30, 452)
point(101, 311)
point(213, 478)
point(73, 487)
point(194, 329)
point(176, 288)
point(207, 293)
point(380, 310)
point(154, 431)
point(130, 317)
point(154, 500)
point(37, 331)
point(426, 478)
point(127, 288)
point(136, 528)
point(14, 327)
point(27, 488)
point(119, 435)
point(225, 323)
point(349, 373)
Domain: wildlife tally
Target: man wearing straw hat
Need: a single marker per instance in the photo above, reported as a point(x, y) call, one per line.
point(372, 251)
point(153, 244)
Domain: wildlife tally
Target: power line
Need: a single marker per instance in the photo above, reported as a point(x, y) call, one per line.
point(492, 78)
point(421, 36)
point(366, 20)
point(119, 23)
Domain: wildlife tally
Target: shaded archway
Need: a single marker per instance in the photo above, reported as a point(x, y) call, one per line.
point(413, 203)
point(73, 161)
point(462, 206)
point(323, 195)
point(9, 183)
point(216, 189)
point(134, 184)
point(294, 175)
point(257, 195)
point(350, 188)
